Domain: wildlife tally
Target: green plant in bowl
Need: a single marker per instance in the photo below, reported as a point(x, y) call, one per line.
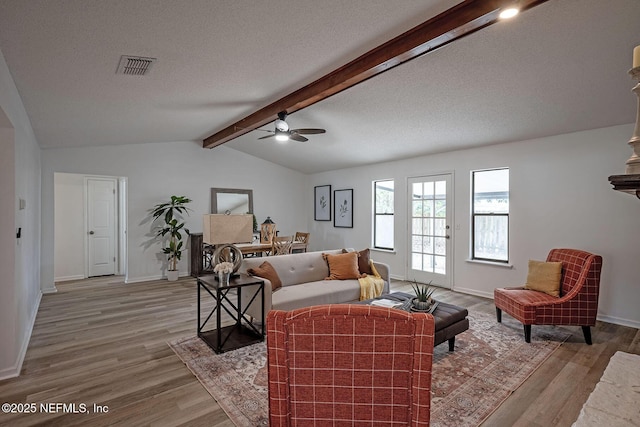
point(423, 291)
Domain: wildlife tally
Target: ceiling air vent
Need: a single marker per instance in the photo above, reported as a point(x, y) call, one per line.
point(135, 65)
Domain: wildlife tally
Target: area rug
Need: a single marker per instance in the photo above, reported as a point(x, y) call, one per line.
point(490, 361)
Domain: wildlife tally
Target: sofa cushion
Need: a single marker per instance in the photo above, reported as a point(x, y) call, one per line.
point(364, 261)
point(544, 277)
point(342, 266)
point(316, 293)
point(266, 271)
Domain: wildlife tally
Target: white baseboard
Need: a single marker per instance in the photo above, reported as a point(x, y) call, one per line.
point(144, 279)
point(50, 290)
point(473, 292)
point(14, 370)
point(618, 321)
point(67, 278)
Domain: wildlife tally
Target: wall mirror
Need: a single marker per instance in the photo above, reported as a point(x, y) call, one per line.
point(231, 200)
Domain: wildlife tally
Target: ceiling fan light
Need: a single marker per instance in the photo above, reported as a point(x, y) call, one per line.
point(281, 136)
point(508, 13)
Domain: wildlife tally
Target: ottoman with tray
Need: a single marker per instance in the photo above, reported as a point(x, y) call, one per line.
point(450, 320)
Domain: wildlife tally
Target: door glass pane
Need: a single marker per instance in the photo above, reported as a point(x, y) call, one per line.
point(417, 243)
point(417, 190)
point(427, 208)
point(440, 264)
point(427, 245)
point(441, 189)
point(427, 263)
point(417, 208)
point(416, 226)
point(427, 228)
point(441, 208)
point(441, 225)
point(441, 243)
point(416, 261)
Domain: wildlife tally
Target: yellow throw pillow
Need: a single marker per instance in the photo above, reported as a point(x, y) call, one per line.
point(267, 271)
point(342, 266)
point(544, 277)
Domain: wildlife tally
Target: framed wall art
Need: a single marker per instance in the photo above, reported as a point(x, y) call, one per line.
point(322, 203)
point(343, 208)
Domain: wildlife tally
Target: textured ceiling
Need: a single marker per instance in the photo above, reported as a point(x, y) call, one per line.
point(559, 67)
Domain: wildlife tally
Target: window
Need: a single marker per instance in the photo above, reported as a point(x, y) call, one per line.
point(490, 215)
point(383, 214)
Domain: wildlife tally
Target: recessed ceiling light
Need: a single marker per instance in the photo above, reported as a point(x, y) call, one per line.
point(508, 13)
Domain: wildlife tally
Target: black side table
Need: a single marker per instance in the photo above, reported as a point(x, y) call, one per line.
point(242, 332)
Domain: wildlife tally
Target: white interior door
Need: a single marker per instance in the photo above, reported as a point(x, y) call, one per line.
point(101, 226)
point(430, 212)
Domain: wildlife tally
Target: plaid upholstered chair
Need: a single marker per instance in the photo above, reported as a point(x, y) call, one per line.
point(349, 364)
point(576, 305)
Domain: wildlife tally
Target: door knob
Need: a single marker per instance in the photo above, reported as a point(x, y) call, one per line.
point(91, 232)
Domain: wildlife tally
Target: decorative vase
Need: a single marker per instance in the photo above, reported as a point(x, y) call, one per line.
point(172, 275)
point(223, 278)
point(422, 305)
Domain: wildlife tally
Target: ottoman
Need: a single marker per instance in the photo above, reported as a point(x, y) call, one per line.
point(450, 320)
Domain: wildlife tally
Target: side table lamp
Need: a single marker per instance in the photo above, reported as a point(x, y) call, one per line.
point(225, 230)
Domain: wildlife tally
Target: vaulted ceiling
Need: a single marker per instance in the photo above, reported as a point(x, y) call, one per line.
point(557, 68)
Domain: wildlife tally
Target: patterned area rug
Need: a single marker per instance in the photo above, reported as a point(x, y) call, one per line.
point(490, 362)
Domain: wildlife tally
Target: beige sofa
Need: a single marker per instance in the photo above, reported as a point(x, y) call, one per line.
point(303, 283)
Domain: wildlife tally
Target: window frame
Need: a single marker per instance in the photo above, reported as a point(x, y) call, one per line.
point(376, 214)
point(488, 214)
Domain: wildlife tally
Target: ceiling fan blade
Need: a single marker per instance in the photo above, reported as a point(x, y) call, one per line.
point(308, 131)
point(296, 137)
point(268, 136)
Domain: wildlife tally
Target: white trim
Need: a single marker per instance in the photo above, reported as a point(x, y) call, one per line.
point(68, 278)
point(14, 371)
point(473, 292)
point(491, 263)
point(50, 290)
point(618, 321)
point(156, 277)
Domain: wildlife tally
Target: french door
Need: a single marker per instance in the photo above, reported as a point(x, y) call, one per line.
point(430, 215)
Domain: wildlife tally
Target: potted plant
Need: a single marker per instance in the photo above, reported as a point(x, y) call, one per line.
point(171, 213)
point(423, 300)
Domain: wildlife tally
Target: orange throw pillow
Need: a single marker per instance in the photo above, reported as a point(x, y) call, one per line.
point(267, 271)
point(364, 257)
point(342, 266)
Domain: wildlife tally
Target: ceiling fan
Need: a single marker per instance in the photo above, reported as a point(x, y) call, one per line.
point(283, 133)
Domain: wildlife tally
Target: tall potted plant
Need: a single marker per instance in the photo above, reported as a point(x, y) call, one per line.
point(171, 213)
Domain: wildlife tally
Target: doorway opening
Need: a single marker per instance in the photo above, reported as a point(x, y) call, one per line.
point(90, 226)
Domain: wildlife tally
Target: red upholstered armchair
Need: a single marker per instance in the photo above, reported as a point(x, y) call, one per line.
point(345, 365)
point(578, 301)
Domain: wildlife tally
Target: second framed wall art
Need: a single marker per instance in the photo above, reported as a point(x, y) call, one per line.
point(343, 208)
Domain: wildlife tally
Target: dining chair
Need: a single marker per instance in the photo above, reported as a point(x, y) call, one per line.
point(281, 245)
point(302, 241)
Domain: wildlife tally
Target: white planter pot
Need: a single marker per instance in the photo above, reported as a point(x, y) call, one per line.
point(172, 275)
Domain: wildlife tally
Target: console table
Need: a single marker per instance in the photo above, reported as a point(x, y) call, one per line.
point(242, 332)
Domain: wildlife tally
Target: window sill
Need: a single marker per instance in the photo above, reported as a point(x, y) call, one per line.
point(386, 251)
point(493, 264)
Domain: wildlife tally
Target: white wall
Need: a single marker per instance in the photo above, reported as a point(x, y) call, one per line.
point(69, 227)
point(560, 197)
point(157, 171)
point(19, 258)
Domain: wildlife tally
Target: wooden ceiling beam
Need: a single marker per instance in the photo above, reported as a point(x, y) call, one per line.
point(452, 24)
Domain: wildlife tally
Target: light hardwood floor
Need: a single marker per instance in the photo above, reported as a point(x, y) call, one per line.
point(99, 341)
